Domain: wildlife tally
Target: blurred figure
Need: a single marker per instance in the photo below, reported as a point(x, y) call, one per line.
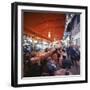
point(51, 66)
point(65, 70)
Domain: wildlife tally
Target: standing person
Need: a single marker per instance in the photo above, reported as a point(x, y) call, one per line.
point(72, 54)
point(68, 52)
point(77, 52)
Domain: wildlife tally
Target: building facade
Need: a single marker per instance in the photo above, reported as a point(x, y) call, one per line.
point(72, 30)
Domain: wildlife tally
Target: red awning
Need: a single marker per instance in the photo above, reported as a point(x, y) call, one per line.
point(41, 23)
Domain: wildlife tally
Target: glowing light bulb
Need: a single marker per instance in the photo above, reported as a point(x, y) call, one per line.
point(49, 34)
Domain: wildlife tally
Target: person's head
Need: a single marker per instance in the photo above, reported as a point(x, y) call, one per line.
point(71, 44)
point(63, 50)
point(46, 50)
point(33, 54)
point(49, 58)
point(55, 56)
point(77, 46)
point(64, 57)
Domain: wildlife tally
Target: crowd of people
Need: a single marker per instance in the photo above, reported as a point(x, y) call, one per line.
point(52, 62)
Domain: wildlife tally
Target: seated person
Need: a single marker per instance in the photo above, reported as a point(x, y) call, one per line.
point(51, 66)
point(53, 63)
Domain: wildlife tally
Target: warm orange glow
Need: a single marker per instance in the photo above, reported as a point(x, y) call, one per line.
point(44, 25)
point(49, 34)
